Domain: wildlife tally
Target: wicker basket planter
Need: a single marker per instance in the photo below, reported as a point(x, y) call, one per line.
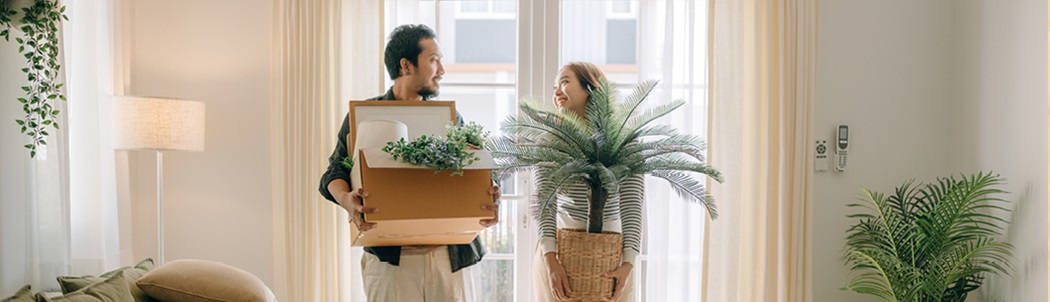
point(586, 257)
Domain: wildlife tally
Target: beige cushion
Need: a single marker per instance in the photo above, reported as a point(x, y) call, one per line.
point(22, 295)
point(131, 274)
point(113, 289)
point(205, 281)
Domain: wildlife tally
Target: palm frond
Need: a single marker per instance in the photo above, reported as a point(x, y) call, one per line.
point(613, 141)
point(631, 104)
point(552, 179)
point(928, 242)
point(651, 114)
point(688, 188)
point(679, 163)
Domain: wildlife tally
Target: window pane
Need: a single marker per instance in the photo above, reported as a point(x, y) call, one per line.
point(474, 6)
point(508, 185)
point(485, 41)
point(494, 280)
point(499, 239)
point(503, 6)
point(484, 105)
point(587, 24)
point(621, 41)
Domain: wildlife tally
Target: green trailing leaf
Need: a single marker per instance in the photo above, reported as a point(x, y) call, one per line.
point(601, 148)
point(928, 242)
point(38, 45)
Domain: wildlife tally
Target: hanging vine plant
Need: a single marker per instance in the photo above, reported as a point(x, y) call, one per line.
point(39, 44)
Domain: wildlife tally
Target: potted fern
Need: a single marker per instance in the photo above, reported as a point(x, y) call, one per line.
point(613, 141)
point(928, 242)
point(39, 22)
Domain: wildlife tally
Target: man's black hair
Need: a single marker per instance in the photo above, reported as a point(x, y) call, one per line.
point(404, 43)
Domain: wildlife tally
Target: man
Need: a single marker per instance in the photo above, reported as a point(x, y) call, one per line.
point(407, 273)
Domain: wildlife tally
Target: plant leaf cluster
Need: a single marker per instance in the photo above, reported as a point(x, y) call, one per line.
point(928, 242)
point(451, 152)
point(40, 47)
point(614, 140)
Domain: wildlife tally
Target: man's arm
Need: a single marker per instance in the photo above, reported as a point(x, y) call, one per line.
point(335, 183)
point(336, 174)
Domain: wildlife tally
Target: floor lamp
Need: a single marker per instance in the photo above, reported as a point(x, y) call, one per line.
point(158, 124)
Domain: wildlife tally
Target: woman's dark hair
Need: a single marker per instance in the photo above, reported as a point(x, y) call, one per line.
point(404, 43)
point(588, 74)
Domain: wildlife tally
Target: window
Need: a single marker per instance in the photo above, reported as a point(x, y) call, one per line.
point(484, 52)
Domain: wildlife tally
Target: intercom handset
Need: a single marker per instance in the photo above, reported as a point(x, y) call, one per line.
point(841, 148)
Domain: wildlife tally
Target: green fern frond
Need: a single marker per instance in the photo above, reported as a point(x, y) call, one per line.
point(928, 242)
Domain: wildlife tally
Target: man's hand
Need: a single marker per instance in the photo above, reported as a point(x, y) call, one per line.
point(494, 207)
point(559, 280)
point(619, 276)
point(354, 204)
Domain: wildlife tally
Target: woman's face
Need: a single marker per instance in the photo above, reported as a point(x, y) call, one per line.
point(569, 93)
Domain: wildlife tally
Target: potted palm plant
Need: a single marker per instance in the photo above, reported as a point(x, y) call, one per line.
point(611, 143)
point(928, 242)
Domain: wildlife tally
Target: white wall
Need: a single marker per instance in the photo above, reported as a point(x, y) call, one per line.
point(1000, 94)
point(218, 203)
point(884, 68)
point(13, 171)
point(932, 88)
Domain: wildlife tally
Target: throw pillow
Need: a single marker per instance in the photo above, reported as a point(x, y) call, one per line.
point(205, 281)
point(131, 274)
point(113, 289)
point(22, 295)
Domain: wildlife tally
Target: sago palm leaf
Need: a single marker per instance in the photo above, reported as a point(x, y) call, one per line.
point(612, 141)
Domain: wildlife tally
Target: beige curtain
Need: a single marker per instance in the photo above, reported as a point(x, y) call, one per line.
point(326, 52)
point(304, 112)
point(762, 64)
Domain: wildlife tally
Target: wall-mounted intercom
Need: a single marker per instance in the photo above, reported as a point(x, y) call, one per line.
point(841, 148)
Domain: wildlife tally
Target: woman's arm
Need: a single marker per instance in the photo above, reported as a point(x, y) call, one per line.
point(548, 226)
point(632, 193)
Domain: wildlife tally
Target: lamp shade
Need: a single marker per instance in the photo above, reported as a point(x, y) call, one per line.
point(142, 123)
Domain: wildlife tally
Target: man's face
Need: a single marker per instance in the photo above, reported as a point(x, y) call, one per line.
point(425, 76)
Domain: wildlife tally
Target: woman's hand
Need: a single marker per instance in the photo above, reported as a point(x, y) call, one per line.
point(559, 281)
point(619, 275)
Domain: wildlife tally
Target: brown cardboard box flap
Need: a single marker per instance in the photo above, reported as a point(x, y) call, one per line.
point(418, 232)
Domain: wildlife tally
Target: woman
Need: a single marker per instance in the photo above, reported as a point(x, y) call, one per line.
point(623, 212)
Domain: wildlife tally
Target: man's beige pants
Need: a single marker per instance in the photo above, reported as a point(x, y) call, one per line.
point(419, 278)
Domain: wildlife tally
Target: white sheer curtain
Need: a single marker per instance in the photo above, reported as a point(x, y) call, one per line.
point(763, 60)
point(96, 56)
point(39, 249)
point(672, 49)
point(69, 214)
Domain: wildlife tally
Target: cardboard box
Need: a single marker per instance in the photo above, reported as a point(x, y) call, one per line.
point(416, 206)
point(420, 207)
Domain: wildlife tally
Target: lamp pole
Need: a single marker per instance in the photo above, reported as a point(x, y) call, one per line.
point(160, 207)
